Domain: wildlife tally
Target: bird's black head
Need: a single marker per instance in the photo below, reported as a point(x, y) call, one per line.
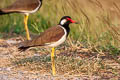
point(65, 21)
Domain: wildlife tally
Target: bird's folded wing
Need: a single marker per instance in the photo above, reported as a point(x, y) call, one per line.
point(22, 5)
point(51, 35)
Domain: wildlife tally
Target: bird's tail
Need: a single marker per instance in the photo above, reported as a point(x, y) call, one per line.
point(2, 12)
point(23, 46)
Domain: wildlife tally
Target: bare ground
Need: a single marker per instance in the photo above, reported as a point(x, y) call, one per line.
point(71, 63)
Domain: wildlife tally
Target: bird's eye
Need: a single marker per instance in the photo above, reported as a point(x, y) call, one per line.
point(68, 19)
point(72, 21)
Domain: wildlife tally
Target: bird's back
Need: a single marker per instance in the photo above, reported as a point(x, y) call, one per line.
point(20, 6)
point(46, 38)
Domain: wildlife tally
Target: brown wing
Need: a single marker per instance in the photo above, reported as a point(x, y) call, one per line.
point(52, 34)
point(22, 5)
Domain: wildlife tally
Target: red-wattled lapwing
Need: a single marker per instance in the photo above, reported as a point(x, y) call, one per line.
point(23, 6)
point(52, 37)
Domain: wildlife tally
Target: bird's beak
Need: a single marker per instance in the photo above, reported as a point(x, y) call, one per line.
point(72, 21)
point(75, 22)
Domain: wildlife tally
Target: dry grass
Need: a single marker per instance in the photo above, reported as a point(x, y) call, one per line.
point(70, 62)
point(87, 52)
point(99, 20)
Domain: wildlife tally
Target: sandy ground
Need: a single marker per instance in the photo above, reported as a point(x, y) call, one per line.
point(30, 65)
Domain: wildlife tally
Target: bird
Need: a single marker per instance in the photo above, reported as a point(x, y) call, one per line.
point(23, 6)
point(52, 37)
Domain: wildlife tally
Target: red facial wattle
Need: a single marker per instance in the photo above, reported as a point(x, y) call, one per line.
point(72, 21)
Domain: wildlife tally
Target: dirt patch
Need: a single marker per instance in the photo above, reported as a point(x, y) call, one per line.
point(71, 63)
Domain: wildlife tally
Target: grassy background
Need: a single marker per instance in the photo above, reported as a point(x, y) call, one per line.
point(99, 26)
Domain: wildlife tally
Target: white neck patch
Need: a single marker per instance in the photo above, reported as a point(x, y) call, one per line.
point(63, 21)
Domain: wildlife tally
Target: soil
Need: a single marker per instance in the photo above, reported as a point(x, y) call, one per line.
point(34, 65)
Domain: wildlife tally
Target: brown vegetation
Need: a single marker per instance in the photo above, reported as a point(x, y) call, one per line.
point(92, 50)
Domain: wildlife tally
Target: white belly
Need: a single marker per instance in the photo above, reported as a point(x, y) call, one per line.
point(54, 44)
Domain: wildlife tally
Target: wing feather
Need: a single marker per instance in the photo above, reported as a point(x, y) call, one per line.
point(51, 35)
point(22, 5)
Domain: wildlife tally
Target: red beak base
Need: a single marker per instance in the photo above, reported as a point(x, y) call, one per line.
point(72, 21)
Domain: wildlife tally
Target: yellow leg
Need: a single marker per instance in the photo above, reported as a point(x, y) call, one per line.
point(53, 62)
point(26, 27)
